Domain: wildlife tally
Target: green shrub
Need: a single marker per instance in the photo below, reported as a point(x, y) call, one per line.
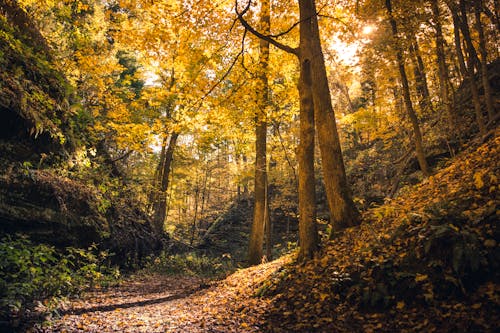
point(39, 272)
point(190, 263)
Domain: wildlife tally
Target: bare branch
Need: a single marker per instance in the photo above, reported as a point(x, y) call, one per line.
point(267, 38)
point(116, 159)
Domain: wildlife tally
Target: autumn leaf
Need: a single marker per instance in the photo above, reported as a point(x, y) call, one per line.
point(478, 180)
point(420, 277)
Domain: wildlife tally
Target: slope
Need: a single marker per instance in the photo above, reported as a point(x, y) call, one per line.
point(427, 261)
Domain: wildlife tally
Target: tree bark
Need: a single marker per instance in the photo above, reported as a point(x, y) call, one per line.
point(308, 233)
point(458, 42)
point(471, 64)
point(484, 60)
point(343, 212)
point(268, 228)
point(160, 205)
point(420, 78)
point(195, 215)
point(255, 251)
point(406, 94)
point(155, 186)
point(443, 68)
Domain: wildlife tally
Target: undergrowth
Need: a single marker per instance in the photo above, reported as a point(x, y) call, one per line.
point(190, 263)
point(39, 274)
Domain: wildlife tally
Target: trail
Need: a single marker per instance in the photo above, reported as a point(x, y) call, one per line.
point(160, 303)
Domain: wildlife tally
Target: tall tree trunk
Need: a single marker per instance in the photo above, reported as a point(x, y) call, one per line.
point(484, 60)
point(343, 212)
point(458, 41)
point(155, 186)
point(160, 205)
point(204, 192)
point(308, 233)
point(268, 228)
point(464, 27)
point(195, 215)
point(471, 65)
point(255, 251)
point(406, 94)
point(420, 78)
point(443, 68)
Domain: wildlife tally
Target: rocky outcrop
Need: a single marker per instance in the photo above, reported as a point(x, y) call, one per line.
point(64, 212)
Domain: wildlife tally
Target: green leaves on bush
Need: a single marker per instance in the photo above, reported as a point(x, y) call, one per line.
point(188, 264)
point(31, 272)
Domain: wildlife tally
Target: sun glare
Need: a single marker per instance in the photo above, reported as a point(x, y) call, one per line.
point(368, 29)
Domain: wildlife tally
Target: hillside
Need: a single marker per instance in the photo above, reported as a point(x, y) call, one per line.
point(426, 261)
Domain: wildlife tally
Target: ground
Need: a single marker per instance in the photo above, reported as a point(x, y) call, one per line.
point(162, 303)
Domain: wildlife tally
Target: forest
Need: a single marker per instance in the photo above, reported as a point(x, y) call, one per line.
point(249, 166)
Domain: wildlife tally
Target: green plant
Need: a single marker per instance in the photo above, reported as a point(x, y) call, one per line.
point(190, 263)
point(38, 272)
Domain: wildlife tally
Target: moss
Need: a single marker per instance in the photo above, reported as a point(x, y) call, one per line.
point(31, 87)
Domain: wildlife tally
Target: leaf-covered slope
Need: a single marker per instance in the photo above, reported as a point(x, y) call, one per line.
point(427, 261)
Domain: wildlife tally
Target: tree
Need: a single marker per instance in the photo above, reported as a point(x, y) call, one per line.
point(164, 166)
point(443, 72)
point(460, 17)
point(315, 107)
point(343, 212)
point(406, 92)
point(260, 214)
point(478, 8)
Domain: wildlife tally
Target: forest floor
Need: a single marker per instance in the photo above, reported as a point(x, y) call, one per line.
point(166, 303)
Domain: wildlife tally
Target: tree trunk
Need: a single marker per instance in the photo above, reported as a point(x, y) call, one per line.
point(160, 205)
point(255, 251)
point(420, 78)
point(204, 192)
point(484, 61)
point(155, 186)
point(343, 212)
point(471, 64)
point(458, 42)
point(308, 233)
point(195, 215)
point(268, 228)
point(443, 68)
point(406, 94)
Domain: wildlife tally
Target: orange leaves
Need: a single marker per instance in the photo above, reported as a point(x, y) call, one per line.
point(478, 179)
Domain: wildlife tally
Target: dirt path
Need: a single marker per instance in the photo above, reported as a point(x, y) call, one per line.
point(140, 304)
point(169, 304)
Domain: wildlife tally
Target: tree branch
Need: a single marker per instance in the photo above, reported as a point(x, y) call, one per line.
point(286, 31)
point(267, 38)
point(116, 159)
point(338, 20)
